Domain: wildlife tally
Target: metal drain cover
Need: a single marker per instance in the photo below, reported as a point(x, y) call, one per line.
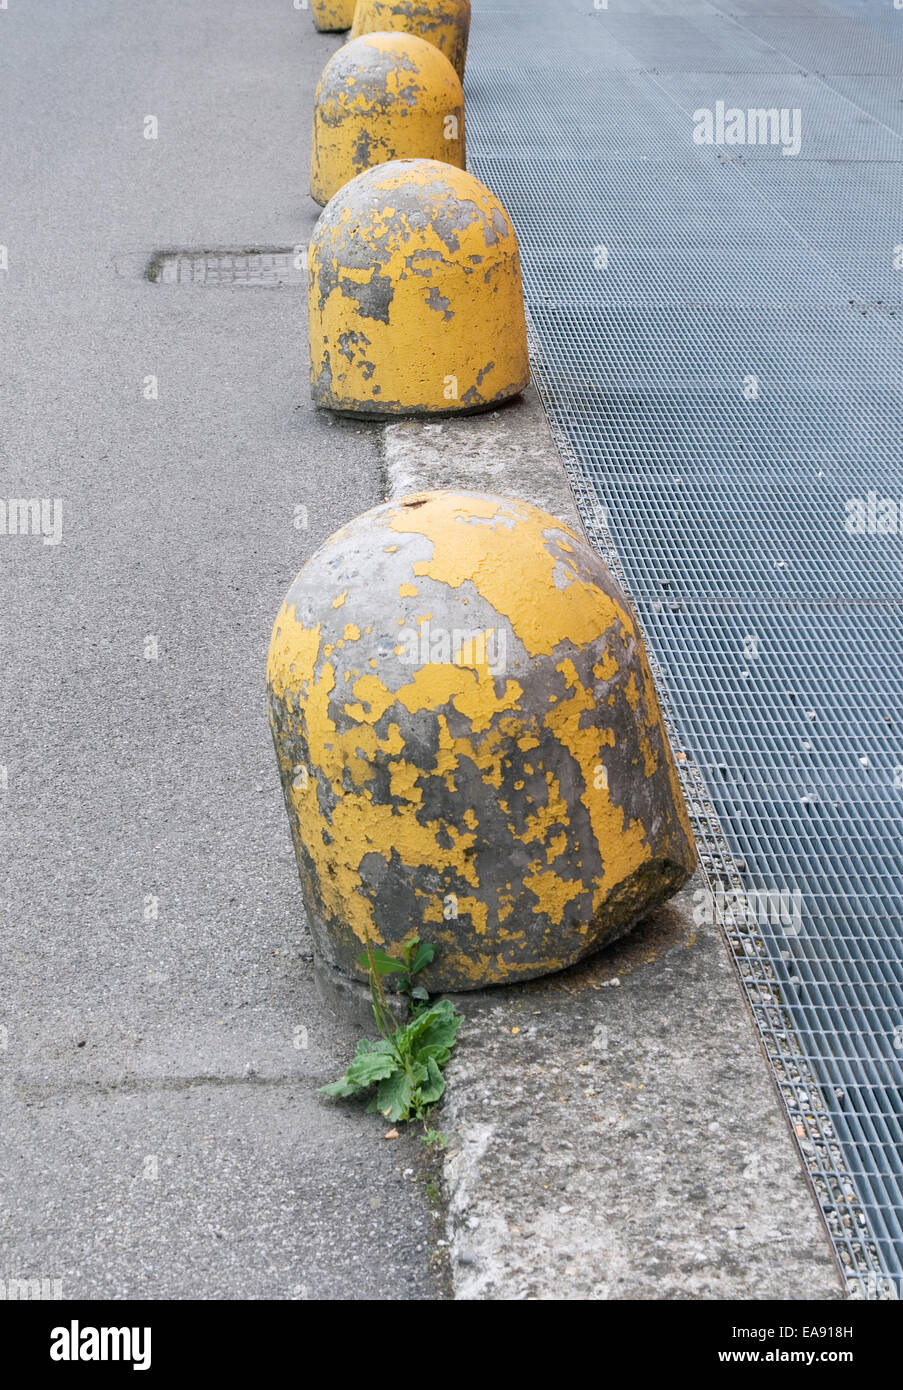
point(224, 269)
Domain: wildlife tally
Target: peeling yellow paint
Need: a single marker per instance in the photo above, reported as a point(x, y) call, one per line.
point(444, 23)
point(384, 96)
point(333, 14)
point(541, 614)
point(434, 322)
point(369, 800)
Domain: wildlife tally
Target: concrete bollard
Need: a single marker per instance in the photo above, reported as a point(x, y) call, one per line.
point(415, 298)
point(384, 97)
point(445, 23)
point(332, 15)
point(470, 744)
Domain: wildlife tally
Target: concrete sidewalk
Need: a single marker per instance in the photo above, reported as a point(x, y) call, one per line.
point(162, 1136)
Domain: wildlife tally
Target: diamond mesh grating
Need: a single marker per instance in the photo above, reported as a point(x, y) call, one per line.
point(663, 279)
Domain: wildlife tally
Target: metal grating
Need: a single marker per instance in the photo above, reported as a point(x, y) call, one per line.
point(663, 280)
point(226, 269)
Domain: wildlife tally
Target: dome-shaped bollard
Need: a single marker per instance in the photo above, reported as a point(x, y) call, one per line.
point(415, 298)
point(384, 97)
point(331, 15)
point(470, 744)
point(445, 23)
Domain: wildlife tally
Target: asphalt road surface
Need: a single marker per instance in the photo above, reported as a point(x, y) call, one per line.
point(163, 1040)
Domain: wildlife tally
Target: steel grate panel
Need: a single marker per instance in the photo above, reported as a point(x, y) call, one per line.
point(862, 245)
point(665, 277)
point(698, 209)
point(746, 9)
point(603, 116)
point(803, 343)
point(832, 127)
point(690, 43)
point(775, 634)
point(651, 464)
point(659, 205)
point(526, 38)
point(881, 97)
point(823, 43)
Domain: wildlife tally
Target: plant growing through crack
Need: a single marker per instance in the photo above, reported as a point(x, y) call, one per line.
point(405, 1063)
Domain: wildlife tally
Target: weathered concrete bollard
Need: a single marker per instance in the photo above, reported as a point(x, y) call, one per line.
point(445, 23)
point(415, 298)
point(384, 97)
point(470, 744)
point(331, 15)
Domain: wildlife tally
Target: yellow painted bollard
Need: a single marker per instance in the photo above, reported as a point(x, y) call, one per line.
point(445, 23)
point(384, 97)
point(470, 745)
point(415, 297)
point(332, 15)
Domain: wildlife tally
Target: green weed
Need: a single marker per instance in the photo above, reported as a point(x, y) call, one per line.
point(405, 1063)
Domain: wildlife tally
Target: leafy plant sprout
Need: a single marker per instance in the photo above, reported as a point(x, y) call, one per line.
point(405, 1063)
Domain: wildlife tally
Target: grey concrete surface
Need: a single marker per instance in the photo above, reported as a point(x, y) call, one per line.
point(163, 1035)
point(615, 1131)
point(508, 451)
point(618, 1136)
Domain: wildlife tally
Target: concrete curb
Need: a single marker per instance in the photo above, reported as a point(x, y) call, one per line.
point(616, 1130)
